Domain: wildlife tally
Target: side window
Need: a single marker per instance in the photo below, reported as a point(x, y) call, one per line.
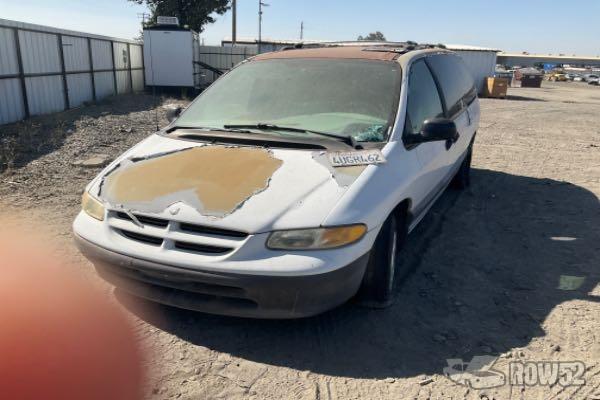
point(423, 98)
point(455, 80)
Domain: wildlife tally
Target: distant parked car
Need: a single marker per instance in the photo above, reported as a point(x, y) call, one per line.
point(557, 77)
point(588, 77)
point(504, 74)
point(578, 78)
point(570, 76)
point(595, 81)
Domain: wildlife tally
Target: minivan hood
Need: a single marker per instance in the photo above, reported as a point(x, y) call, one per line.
point(247, 188)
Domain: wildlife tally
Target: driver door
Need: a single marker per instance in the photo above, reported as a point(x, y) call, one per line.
point(424, 103)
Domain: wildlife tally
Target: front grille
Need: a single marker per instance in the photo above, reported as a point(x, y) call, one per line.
point(201, 248)
point(175, 236)
point(163, 223)
point(155, 241)
point(211, 231)
point(158, 222)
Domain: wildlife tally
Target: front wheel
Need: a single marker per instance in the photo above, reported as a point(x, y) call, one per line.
point(378, 282)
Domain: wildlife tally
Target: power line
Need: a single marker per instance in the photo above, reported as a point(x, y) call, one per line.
point(144, 17)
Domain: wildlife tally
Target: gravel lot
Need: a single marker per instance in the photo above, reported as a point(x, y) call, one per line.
point(487, 265)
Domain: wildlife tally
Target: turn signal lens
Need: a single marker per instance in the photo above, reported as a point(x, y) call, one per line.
point(319, 238)
point(92, 206)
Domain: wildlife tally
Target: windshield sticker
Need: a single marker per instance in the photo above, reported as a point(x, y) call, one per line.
point(349, 158)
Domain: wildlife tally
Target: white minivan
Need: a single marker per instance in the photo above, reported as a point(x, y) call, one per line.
point(289, 185)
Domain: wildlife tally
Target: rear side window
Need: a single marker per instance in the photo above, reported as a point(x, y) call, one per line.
point(455, 80)
point(423, 98)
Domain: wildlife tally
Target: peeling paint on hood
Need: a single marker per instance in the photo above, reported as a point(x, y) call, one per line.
point(344, 176)
point(303, 189)
point(215, 180)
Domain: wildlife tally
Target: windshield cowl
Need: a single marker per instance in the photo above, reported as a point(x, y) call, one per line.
point(264, 139)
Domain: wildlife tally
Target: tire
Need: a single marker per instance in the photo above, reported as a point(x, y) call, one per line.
point(462, 179)
point(378, 282)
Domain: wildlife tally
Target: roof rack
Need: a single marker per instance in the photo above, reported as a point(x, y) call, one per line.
point(391, 47)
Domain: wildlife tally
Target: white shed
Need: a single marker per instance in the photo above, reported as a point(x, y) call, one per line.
point(169, 56)
point(481, 61)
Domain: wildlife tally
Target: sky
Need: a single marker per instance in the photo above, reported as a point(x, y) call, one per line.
point(535, 26)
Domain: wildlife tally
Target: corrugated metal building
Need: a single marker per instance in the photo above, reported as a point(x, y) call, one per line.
point(221, 58)
point(45, 69)
point(268, 44)
point(531, 60)
point(481, 61)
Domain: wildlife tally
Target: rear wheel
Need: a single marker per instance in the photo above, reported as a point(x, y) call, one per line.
point(462, 179)
point(378, 282)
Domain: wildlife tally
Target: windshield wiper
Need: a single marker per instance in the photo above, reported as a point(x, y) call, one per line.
point(272, 127)
point(209, 129)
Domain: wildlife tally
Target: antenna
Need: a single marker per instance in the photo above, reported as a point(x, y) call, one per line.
point(153, 83)
point(143, 16)
point(155, 109)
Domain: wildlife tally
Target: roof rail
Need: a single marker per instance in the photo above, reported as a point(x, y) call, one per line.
point(394, 47)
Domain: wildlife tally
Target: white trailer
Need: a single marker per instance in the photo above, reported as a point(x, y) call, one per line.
point(173, 56)
point(169, 56)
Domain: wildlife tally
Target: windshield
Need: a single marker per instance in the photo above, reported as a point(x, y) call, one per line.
point(355, 98)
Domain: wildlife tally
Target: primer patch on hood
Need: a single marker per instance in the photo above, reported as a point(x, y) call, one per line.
point(216, 180)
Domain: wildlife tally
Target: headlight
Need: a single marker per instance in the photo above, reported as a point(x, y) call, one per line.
point(319, 238)
point(92, 206)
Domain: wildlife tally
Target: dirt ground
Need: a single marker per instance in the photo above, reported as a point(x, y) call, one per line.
point(492, 267)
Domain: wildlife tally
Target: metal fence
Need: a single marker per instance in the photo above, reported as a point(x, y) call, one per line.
point(219, 59)
point(44, 69)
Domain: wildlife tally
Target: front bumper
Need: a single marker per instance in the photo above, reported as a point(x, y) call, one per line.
point(255, 296)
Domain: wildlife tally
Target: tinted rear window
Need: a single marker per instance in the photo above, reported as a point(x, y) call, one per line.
point(455, 80)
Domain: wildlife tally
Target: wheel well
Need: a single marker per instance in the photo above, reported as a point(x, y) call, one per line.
point(404, 207)
point(473, 139)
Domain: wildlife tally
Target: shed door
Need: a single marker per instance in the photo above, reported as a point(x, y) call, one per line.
point(168, 58)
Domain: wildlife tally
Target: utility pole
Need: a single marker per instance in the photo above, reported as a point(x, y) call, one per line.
point(234, 22)
point(302, 30)
point(260, 13)
point(144, 17)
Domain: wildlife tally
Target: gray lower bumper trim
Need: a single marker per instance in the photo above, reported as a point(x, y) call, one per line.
point(255, 296)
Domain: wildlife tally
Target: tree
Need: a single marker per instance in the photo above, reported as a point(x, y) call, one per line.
point(193, 13)
point(373, 37)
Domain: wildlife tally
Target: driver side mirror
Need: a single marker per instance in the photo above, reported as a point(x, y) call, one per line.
point(439, 129)
point(173, 113)
point(433, 130)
